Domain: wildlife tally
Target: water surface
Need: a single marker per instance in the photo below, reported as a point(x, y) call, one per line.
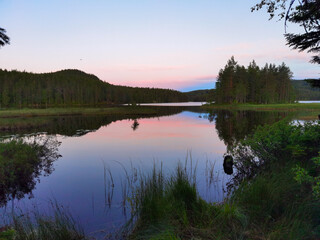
point(309, 101)
point(89, 145)
point(174, 104)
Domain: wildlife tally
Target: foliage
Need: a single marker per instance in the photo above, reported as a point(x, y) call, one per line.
point(275, 145)
point(306, 14)
point(270, 84)
point(7, 234)
point(275, 169)
point(72, 87)
point(21, 164)
point(4, 39)
point(302, 176)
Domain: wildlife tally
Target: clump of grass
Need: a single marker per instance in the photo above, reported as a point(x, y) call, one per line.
point(7, 233)
point(169, 207)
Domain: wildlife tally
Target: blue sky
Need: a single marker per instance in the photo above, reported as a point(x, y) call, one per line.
point(168, 43)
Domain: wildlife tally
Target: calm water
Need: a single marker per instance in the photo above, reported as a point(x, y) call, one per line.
point(90, 143)
point(309, 101)
point(174, 104)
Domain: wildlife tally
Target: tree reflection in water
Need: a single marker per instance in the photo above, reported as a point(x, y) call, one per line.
point(135, 125)
point(234, 126)
point(22, 162)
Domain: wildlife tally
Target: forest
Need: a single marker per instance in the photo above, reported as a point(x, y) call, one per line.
point(238, 84)
point(73, 87)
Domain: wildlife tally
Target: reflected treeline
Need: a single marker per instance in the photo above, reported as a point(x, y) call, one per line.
point(234, 126)
point(79, 125)
point(22, 162)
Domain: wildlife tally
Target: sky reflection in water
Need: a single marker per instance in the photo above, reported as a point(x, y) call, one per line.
point(78, 179)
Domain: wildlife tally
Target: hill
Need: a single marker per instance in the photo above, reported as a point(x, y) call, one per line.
point(201, 95)
point(73, 87)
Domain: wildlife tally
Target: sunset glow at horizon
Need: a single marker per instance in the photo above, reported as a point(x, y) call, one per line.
point(179, 45)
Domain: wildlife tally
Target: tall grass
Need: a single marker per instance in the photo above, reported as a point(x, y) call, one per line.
point(169, 207)
point(33, 225)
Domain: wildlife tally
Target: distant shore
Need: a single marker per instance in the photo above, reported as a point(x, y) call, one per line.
point(302, 111)
point(266, 107)
point(73, 111)
point(311, 108)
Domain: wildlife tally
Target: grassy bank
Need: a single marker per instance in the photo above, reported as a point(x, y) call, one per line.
point(31, 112)
point(267, 107)
point(275, 193)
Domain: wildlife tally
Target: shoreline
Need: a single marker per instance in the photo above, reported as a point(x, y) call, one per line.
point(74, 111)
point(266, 107)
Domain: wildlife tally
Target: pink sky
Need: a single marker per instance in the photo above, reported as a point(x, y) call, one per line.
point(167, 44)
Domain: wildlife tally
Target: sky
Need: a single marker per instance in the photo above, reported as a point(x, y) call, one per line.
point(176, 44)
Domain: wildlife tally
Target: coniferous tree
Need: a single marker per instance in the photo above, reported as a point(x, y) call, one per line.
point(270, 84)
point(306, 14)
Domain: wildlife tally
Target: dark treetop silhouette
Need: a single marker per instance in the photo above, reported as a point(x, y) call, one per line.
point(4, 39)
point(305, 13)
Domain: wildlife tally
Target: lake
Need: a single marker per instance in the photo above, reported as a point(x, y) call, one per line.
point(174, 104)
point(313, 101)
point(92, 146)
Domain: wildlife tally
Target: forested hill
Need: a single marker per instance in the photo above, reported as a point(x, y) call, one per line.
point(206, 95)
point(73, 87)
point(304, 90)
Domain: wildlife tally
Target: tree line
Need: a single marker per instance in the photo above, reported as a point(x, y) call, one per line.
point(73, 87)
point(238, 84)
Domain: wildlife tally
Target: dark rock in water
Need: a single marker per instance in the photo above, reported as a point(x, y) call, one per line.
point(228, 164)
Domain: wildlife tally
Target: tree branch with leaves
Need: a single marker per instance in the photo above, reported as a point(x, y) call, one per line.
point(305, 13)
point(4, 39)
